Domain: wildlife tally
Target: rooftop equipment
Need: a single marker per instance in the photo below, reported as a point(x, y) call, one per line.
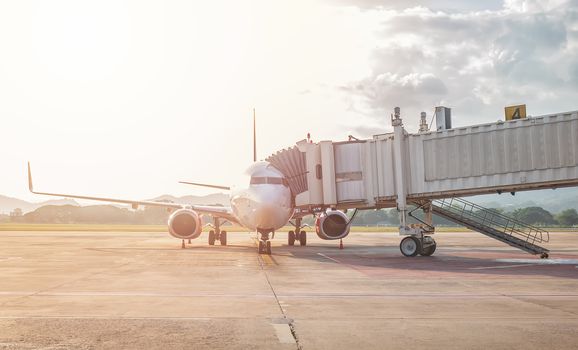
point(443, 118)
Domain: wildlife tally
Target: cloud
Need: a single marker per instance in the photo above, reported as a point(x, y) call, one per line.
point(476, 62)
point(403, 4)
point(407, 88)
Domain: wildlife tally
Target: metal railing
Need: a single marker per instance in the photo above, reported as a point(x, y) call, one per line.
point(468, 211)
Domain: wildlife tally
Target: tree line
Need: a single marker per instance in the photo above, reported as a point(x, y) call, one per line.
point(108, 214)
point(537, 216)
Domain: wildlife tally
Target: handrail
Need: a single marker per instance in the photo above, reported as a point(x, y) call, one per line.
point(507, 225)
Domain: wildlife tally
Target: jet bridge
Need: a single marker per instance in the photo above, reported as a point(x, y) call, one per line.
point(400, 169)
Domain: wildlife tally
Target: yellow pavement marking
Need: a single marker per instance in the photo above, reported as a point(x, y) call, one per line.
point(268, 260)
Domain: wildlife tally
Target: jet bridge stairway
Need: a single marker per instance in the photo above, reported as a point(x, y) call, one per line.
point(492, 224)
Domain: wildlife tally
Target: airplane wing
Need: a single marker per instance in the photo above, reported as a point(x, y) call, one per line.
point(205, 185)
point(216, 211)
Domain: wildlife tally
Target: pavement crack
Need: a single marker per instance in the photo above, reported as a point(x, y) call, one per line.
point(289, 321)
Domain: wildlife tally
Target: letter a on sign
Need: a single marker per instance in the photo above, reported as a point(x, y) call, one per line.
point(515, 112)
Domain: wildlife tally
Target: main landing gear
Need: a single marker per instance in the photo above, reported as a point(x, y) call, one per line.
point(297, 235)
point(413, 245)
point(217, 234)
point(264, 244)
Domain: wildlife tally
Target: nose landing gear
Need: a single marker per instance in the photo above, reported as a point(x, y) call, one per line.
point(264, 244)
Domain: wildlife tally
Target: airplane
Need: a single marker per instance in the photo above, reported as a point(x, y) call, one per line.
point(263, 204)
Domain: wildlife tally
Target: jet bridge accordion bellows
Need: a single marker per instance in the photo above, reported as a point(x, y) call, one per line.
point(291, 162)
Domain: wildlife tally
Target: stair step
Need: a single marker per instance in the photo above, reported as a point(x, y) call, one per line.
point(490, 231)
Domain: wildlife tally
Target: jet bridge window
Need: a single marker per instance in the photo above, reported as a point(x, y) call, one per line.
point(269, 180)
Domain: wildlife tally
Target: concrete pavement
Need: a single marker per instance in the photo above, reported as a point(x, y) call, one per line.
point(79, 290)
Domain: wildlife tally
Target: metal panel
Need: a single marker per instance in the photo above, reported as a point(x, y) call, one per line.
point(369, 173)
point(384, 166)
point(314, 193)
point(349, 172)
point(521, 153)
point(328, 172)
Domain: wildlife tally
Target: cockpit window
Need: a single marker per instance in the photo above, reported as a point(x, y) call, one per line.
point(269, 180)
point(258, 180)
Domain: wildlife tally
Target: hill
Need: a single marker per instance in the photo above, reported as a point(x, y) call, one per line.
point(95, 214)
point(7, 204)
point(554, 201)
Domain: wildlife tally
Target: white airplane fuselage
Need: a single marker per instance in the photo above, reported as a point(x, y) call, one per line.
point(263, 202)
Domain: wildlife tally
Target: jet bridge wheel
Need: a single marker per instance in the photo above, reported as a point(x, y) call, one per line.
point(428, 251)
point(302, 238)
point(410, 246)
point(428, 246)
point(223, 237)
point(291, 238)
point(212, 237)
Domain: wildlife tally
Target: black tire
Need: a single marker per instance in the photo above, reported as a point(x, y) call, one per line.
point(223, 237)
point(291, 238)
point(268, 248)
point(211, 237)
point(428, 251)
point(261, 247)
point(410, 246)
point(303, 238)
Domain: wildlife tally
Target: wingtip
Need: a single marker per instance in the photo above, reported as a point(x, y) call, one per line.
point(254, 137)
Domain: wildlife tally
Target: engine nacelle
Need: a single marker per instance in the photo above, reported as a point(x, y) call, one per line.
point(185, 224)
point(333, 225)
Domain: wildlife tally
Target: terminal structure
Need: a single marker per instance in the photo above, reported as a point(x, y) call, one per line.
point(431, 171)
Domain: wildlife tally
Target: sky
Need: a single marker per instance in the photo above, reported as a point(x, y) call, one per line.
point(125, 98)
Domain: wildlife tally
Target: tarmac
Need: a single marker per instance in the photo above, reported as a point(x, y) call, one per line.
point(109, 290)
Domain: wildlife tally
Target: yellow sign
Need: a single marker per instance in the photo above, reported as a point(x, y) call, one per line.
point(515, 112)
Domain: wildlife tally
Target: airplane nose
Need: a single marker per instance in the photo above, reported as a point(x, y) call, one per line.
point(266, 216)
point(270, 209)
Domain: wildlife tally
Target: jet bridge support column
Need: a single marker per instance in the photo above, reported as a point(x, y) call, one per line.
point(416, 241)
point(399, 165)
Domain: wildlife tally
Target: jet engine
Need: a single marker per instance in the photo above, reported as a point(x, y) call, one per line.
point(185, 224)
point(333, 224)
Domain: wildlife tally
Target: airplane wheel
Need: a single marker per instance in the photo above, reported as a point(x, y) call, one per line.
point(223, 238)
point(303, 238)
point(291, 238)
point(268, 248)
point(211, 237)
point(410, 246)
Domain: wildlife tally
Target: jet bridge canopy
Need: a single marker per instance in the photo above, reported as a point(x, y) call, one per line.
point(389, 169)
